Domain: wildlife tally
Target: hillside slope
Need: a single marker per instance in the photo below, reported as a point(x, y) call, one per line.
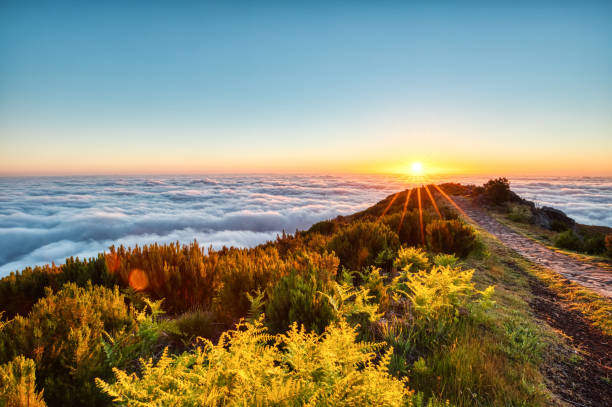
point(401, 304)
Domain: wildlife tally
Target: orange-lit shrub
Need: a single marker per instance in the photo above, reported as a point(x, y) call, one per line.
point(451, 237)
point(409, 232)
point(20, 291)
point(18, 384)
point(185, 276)
point(358, 244)
point(244, 271)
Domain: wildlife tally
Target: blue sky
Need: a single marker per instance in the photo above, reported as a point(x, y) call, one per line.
point(179, 87)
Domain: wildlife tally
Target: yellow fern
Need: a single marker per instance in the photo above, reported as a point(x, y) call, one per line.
point(249, 367)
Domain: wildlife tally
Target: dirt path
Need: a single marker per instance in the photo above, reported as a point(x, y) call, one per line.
point(579, 374)
point(585, 381)
point(587, 275)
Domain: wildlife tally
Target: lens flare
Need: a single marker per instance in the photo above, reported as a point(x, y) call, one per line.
point(388, 206)
point(138, 279)
point(421, 216)
point(408, 192)
point(452, 202)
point(433, 201)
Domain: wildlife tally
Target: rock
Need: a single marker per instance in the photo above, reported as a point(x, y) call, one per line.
point(551, 218)
point(546, 217)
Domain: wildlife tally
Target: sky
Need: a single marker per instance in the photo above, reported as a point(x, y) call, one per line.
point(523, 88)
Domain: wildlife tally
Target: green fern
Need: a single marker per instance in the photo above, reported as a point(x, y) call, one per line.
point(411, 259)
point(249, 367)
point(257, 305)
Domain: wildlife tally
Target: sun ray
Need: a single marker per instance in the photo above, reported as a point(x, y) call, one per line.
point(388, 207)
point(408, 192)
point(452, 202)
point(421, 216)
point(433, 201)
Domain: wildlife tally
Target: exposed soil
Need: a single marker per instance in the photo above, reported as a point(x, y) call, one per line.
point(586, 381)
point(579, 374)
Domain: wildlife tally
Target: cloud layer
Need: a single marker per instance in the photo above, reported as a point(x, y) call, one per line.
point(49, 219)
point(588, 200)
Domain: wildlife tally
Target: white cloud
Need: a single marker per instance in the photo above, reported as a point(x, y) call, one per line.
point(49, 219)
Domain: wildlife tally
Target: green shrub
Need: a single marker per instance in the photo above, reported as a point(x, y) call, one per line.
point(196, 323)
point(326, 228)
point(451, 237)
point(249, 270)
point(568, 240)
point(374, 282)
point(519, 213)
point(523, 341)
point(18, 384)
point(251, 368)
point(558, 226)
point(63, 335)
point(358, 244)
point(397, 333)
point(385, 259)
point(409, 232)
point(245, 271)
point(447, 260)
point(124, 348)
point(296, 299)
point(609, 245)
point(595, 244)
point(497, 190)
point(411, 259)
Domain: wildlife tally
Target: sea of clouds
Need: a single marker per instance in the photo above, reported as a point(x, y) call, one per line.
point(50, 218)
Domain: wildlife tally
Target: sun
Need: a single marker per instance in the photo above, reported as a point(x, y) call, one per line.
point(416, 168)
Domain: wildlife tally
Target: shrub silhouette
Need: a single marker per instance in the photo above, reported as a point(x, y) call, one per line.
point(358, 244)
point(451, 237)
point(497, 190)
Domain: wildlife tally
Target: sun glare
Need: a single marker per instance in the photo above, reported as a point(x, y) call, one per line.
point(417, 168)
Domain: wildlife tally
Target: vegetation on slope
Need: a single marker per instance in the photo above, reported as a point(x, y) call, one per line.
point(371, 309)
point(550, 226)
